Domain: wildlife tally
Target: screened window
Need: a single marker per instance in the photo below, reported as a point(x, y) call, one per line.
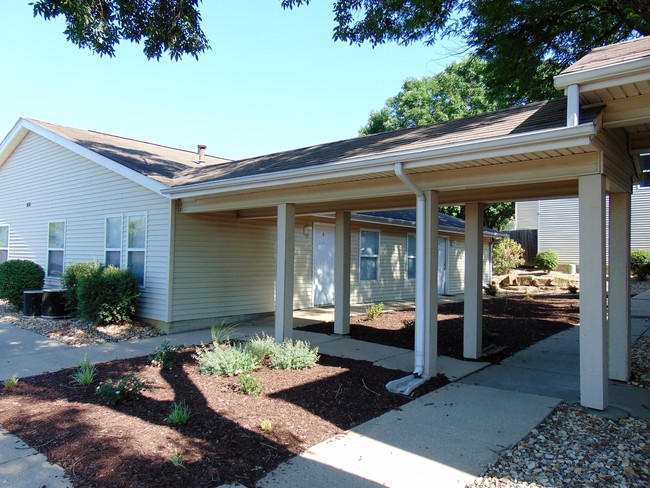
point(113, 242)
point(369, 255)
point(136, 246)
point(55, 248)
point(410, 256)
point(4, 243)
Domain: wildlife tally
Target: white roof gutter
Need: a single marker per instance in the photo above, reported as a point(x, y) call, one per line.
point(542, 140)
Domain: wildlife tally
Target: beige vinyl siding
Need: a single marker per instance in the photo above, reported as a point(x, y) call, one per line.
point(456, 265)
point(526, 215)
point(43, 182)
point(641, 218)
point(303, 265)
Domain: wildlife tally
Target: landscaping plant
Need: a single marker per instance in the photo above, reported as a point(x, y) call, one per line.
point(266, 425)
point(221, 331)
point(639, 258)
point(506, 256)
point(375, 311)
point(180, 414)
point(490, 289)
point(262, 347)
point(547, 260)
point(70, 279)
point(177, 460)
point(250, 385)
point(226, 360)
point(12, 382)
point(107, 295)
point(643, 272)
point(294, 355)
point(165, 356)
point(126, 389)
point(85, 373)
point(17, 276)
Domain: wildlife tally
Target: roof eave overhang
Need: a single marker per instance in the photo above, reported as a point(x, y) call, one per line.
point(542, 140)
point(605, 76)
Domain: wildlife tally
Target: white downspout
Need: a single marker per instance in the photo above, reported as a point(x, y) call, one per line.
point(573, 105)
point(420, 268)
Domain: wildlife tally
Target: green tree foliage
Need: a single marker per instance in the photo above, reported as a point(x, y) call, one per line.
point(164, 26)
point(506, 256)
point(458, 91)
point(496, 216)
point(525, 42)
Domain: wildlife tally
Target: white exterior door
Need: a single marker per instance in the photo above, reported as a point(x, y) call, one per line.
point(442, 264)
point(323, 264)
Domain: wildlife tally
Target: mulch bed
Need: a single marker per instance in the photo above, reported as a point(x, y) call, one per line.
point(130, 445)
point(512, 323)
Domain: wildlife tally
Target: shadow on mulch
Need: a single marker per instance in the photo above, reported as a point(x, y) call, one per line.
point(512, 323)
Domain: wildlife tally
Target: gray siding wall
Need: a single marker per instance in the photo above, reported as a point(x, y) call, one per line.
point(42, 182)
point(526, 215)
point(456, 266)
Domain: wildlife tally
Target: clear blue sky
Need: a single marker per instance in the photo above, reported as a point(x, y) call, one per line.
point(274, 80)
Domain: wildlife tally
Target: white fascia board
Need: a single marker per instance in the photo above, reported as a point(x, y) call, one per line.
point(606, 76)
point(542, 140)
point(11, 141)
point(140, 179)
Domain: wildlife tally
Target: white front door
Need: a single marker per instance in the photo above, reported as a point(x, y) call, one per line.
point(442, 264)
point(323, 264)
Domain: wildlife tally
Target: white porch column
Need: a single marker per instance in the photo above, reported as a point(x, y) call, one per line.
point(284, 278)
point(593, 338)
point(431, 284)
point(342, 249)
point(473, 322)
point(619, 286)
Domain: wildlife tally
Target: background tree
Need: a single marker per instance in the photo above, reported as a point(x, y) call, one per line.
point(526, 42)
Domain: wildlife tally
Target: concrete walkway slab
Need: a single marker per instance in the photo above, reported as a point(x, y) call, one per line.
point(444, 438)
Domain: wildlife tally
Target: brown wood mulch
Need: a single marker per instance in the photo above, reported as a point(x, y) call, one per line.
point(130, 445)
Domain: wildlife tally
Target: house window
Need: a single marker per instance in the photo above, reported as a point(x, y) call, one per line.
point(55, 248)
point(410, 256)
point(136, 246)
point(4, 243)
point(369, 255)
point(113, 242)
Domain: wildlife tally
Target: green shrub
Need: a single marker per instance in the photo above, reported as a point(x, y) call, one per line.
point(375, 311)
point(18, 275)
point(262, 347)
point(506, 256)
point(179, 414)
point(12, 382)
point(643, 272)
point(165, 356)
point(70, 279)
point(85, 374)
point(107, 295)
point(490, 290)
point(126, 389)
point(638, 259)
point(226, 361)
point(298, 355)
point(547, 260)
point(250, 385)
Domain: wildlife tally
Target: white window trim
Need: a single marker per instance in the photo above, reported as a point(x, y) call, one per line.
point(410, 256)
point(62, 249)
point(120, 249)
point(146, 241)
point(8, 236)
point(376, 256)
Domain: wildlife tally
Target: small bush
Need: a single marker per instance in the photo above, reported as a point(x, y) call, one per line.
point(643, 272)
point(85, 374)
point(165, 356)
point(638, 259)
point(221, 331)
point(298, 355)
point(180, 414)
point(177, 460)
point(70, 279)
point(12, 382)
point(226, 361)
point(266, 425)
point(126, 389)
point(250, 385)
point(107, 295)
point(375, 311)
point(506, 256)
point(262, 347)
point(547, 260)
point(490, 290)
point(18, 275)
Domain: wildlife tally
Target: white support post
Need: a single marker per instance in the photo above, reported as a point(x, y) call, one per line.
point(473, 322)
point(619, 286)
point(431, 284)
point(573, 105)
point(342, 250)
point(593, 338)
point(284, 278)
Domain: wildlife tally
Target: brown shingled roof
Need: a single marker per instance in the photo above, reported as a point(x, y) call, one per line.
point(160, 163)
point(613, 54)
point(527, 118)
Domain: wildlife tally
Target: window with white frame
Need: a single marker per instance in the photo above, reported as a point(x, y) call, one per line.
point(55, 248)
point(4, 243)
point(136, 241)
point(369, 255)
point(113, 241)
point(410, 256)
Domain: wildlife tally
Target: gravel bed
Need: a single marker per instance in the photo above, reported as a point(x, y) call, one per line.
point(641, 363)
point(75, 332)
